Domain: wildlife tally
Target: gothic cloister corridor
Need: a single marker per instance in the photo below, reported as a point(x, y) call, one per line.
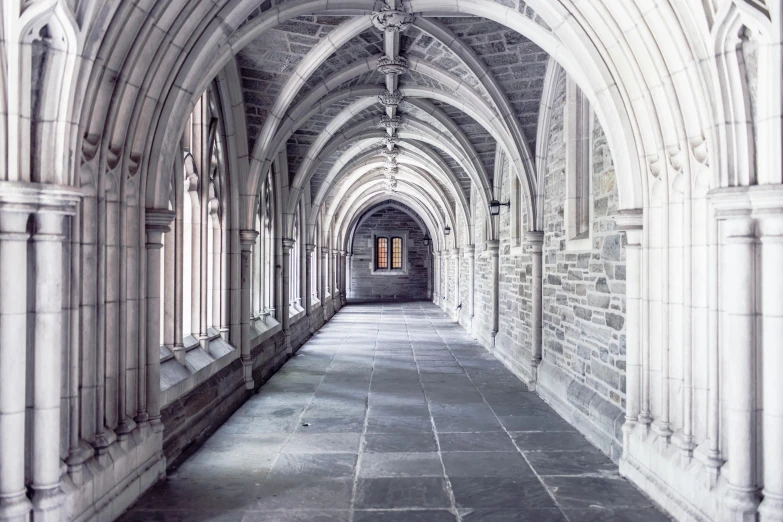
point(494, 260)
point(392, 413)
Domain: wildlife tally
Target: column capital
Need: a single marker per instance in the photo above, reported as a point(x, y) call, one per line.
point(753, 201)
point(288, 243)
point(342, 252)
point(156, 222)
point(39, 197)
point(630, 221)
point(534, 237)
point(493, 246)
point(325, 251)
point(469, 250)
point(158, 219)
point(49, 226)
point(309, 248)
point(247, 237)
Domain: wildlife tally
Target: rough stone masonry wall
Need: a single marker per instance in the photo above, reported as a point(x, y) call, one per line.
point(513, 342)
point(583, 372)
point(482, 323)
point(365, 284)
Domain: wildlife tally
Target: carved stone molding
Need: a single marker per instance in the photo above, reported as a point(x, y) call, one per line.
point(392, 20)
point(396, 65)
point(391, 99)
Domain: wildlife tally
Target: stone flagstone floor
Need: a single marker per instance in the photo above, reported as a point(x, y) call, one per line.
point(392, 413)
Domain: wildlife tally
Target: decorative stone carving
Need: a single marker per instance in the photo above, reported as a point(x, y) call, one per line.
point(390, 141)
point(391, 154)
point(390, 185)
point(393, 122)
point(391, 99)
point(396, 65)
point(391, 19)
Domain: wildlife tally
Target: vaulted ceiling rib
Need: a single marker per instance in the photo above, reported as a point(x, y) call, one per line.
point(434, 95)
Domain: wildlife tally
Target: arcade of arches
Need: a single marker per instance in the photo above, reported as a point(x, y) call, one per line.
point(191, 189)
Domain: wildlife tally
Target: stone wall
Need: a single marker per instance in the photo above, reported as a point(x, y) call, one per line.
point(584, 297)
point(513, 341)
point(410, 285)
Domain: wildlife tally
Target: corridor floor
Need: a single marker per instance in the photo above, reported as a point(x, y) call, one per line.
point(392, 413)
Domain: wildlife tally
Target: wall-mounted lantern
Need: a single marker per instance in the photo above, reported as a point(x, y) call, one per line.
point(494, 207)
point(447, 230)
point(427, 239)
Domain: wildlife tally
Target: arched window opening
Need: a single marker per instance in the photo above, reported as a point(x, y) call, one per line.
point(195, 279)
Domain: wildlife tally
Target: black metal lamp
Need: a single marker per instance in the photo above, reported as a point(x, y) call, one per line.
point(427, 239)
point(447, 230)
point(494, 207)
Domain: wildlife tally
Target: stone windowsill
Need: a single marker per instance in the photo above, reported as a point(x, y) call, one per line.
point(177, 379)
point(262, 328)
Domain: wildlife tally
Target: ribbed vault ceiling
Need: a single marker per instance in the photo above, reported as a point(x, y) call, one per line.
point(466, 89)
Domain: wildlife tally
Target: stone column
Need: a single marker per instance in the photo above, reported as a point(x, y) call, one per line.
point(247, 238)
point(436, 277)
point(429, 274)
point(630, 221)
point(457, 298)
point(309, 283)
point(493, 246)
point(157, 223)
point(446, 258)
point(335, 278)
point(470, 254)
point(14, 505)
point(324, 278)
point(535, 241)
point(288, 244)
point(348, 275)
point(48, 239)
point(216, 240)
point(737, 281)
point(771, 508)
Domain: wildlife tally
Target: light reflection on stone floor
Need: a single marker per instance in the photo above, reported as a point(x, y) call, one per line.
point(392, 413)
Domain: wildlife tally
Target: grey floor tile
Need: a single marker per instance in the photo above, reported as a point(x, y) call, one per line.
point(551, 441)
point(399, 443)
point(309, 466)
point(294, 494)
point(404, 516)
point(331, 424)
point(512, 515)
point(399, 425)
point(302, 442)
point(571, 463)
point(390, 493)
point(592, 514)
point(486, 464)
point(500, 492)
point(374, 465)
point(297, 516)
point(483, 441)
point(584, 492)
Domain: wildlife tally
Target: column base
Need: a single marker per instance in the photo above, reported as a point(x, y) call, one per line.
point(46, 504)
point(740, 505)
point(247, 371)
point(157, 424)
point(771, 509)
point(15, 508)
